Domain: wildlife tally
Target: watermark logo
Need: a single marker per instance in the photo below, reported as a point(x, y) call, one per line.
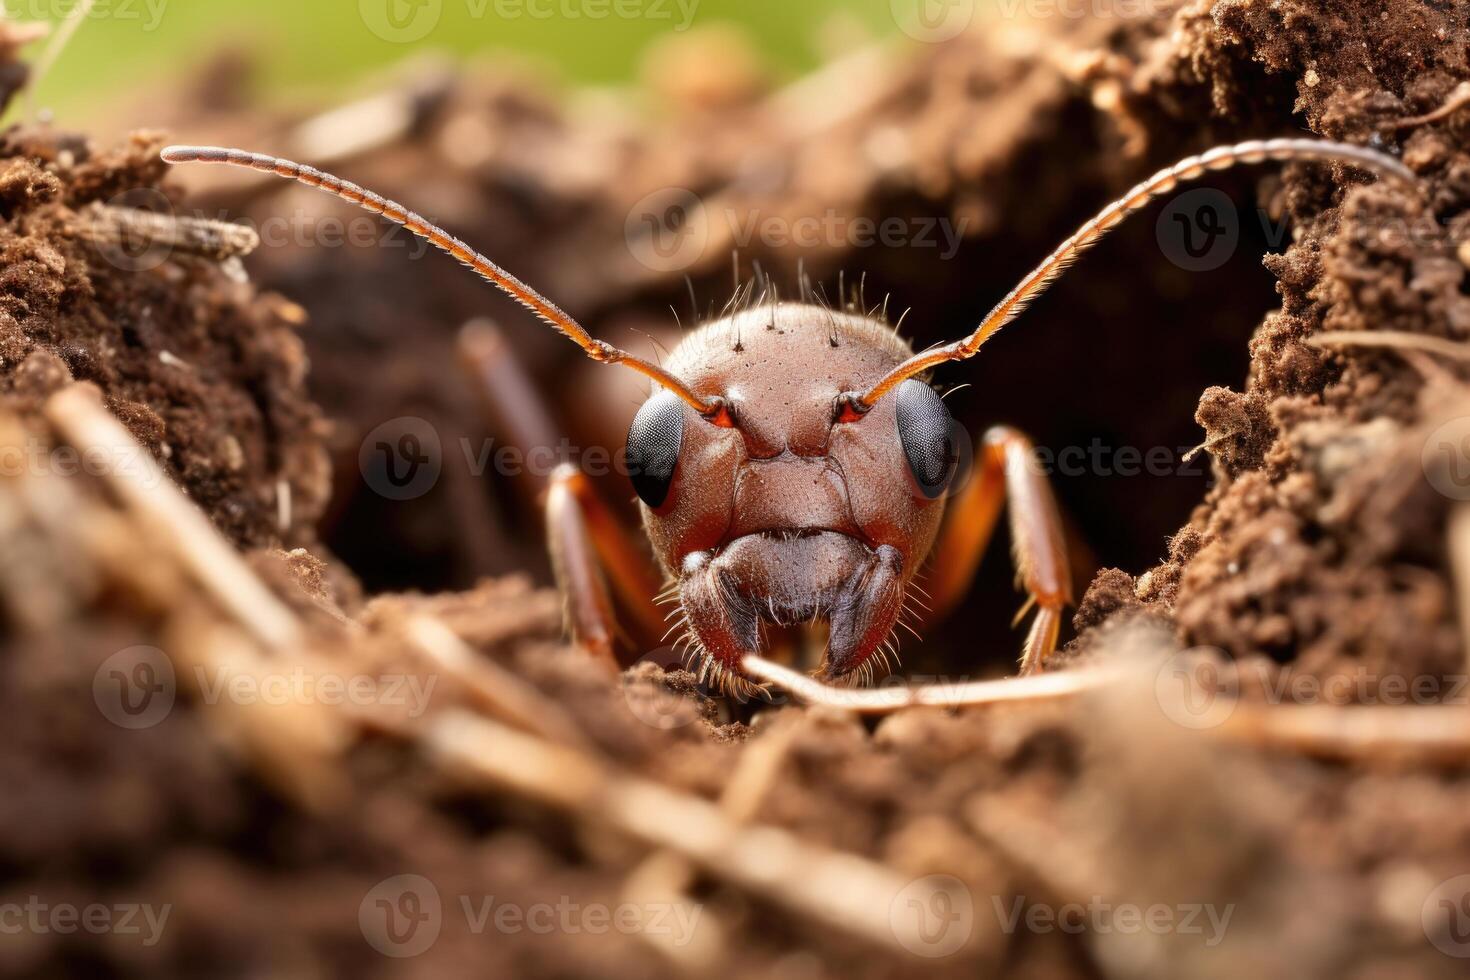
point(402, 458)
point(147, 13)
point(1197, 688)
point(667, 231)
point(36, 457)
point(296, 685)
point(1100, 918)
point(135, 688)
point(38, 917)
point(401, 916)
point(1101, 459)
point(1080, 9)
point(1446, 458)
point(933, 917)
point(1199, 230)
point(655, 704)
point(407, 21)
point(933, 21)
point(675, 920)
point(401, 21)
point(1446, 917)
point(670, 231)
point(132, 245)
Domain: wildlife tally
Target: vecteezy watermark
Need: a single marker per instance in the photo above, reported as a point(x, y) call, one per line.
point(1099, 917)
point(403, 916)
point(36, 457)
point(36, 916)
point(1445, 916)
point(1080, 9)
point(136, 688)
point(401, 21)
point(402, 458)
point(1100, 459)
point(128, 245)
point(833, 229)
point(1199, 230)
point(147, 13)
point(405, 457)
point(296, 685)
point(308, 229)
point(933, 917)
point(139, 230)
point(933, 21)
point(656, 705)
point(1446, 458)
point(407, 21)
point(1199, 688)
point(670, 230)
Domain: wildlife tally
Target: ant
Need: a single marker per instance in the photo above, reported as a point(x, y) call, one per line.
point(795, 465)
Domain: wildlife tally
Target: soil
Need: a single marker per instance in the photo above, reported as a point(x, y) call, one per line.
point(1309, 546)
point(204, 372)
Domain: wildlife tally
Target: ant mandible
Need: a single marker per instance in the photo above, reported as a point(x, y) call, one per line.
point(793, 462)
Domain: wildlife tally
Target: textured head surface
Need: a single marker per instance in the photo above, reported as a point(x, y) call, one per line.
point(789, 515)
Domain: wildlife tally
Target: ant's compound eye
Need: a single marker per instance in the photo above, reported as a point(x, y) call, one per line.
point(927, 433)
point(654, 441)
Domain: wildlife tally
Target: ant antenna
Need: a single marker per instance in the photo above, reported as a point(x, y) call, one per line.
point(517, 290)
point(1190, 168)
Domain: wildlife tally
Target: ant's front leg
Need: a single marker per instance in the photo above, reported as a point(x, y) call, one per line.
point(1008, 471)
point(587, 605)
point(590, 550)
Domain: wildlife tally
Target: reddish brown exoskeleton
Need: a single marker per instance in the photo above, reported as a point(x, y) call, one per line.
point(794, 463)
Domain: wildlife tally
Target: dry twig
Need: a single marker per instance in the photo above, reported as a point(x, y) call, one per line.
point(1458, 98)
point(1425, 735)
point(1395, 340)
point(839, 891)
point(78, 414)
point(886, 700)
point(138, 230)
point(496, 690)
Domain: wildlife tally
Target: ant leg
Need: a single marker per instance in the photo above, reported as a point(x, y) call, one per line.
point(508, 398)
point(630, 571)
point(1008, 472)
point(587, 603)
point(584, 535)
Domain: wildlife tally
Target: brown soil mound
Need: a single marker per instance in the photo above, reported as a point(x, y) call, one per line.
point(205, 374)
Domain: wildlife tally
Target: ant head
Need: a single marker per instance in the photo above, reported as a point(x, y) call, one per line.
point(783, 503)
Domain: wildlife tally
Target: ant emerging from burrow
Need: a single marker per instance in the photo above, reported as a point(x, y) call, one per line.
point(794, 464)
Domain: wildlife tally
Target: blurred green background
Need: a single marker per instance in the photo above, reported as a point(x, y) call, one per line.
point(311, 47)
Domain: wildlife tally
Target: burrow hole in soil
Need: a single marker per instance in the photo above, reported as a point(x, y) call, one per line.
point(1104, 372)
